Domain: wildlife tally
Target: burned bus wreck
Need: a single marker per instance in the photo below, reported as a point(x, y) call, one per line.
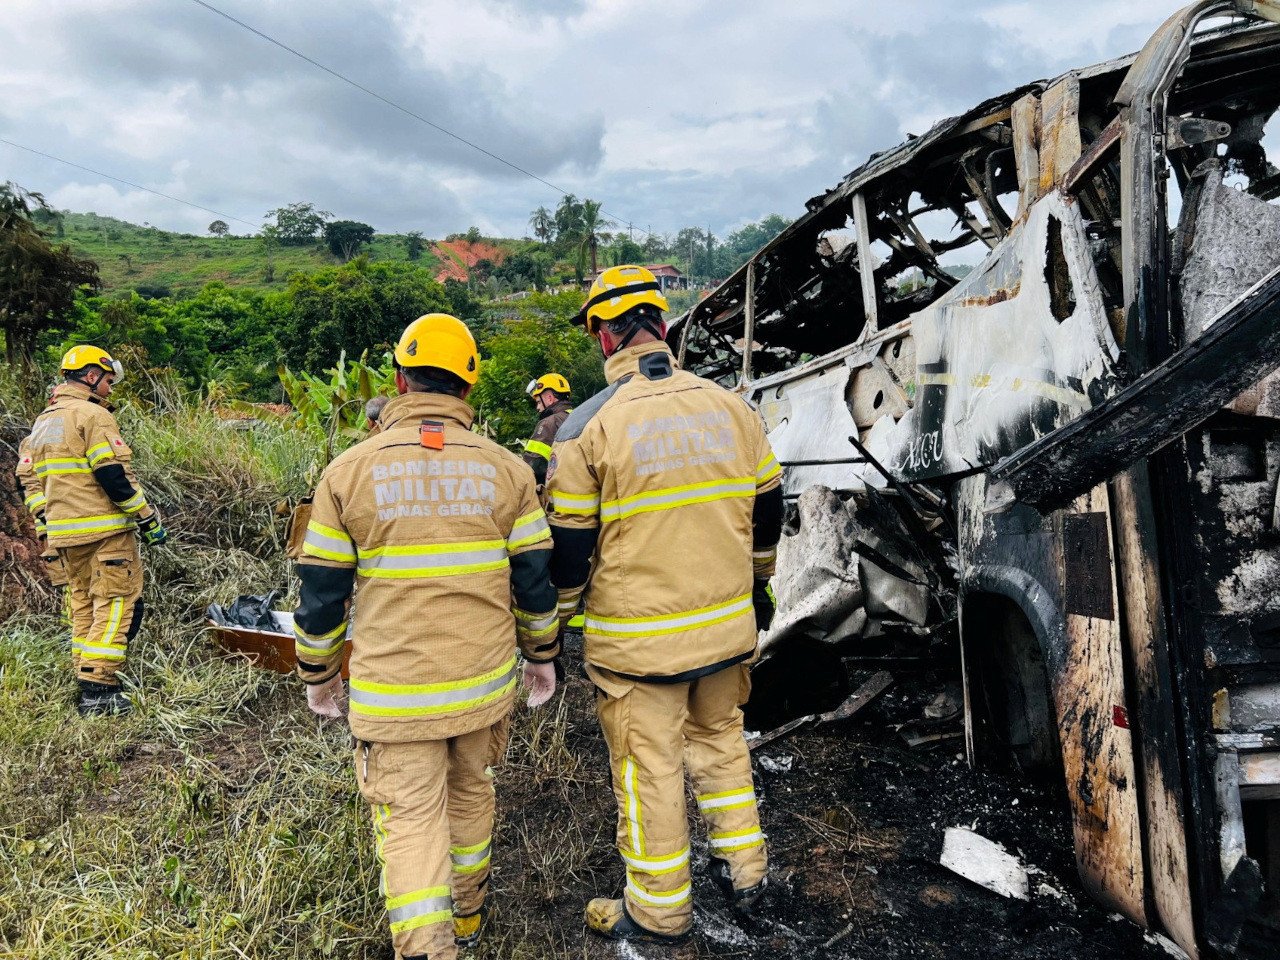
point(1069, 452)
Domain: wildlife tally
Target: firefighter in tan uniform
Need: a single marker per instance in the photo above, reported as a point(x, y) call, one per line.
point(667, 480)
point(550, 394)
point(75, 473)
point(452, 549)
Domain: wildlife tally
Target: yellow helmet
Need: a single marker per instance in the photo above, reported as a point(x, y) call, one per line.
point(618, 290)
point(548, 381)
point(86, 355)
point(439, 340)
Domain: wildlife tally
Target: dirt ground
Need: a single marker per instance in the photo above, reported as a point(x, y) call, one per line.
point(855, 822)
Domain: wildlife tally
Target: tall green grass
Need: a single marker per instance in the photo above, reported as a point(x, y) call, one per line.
point(220, 820)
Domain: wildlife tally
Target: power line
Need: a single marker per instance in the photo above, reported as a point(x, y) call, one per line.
point(128, 183)
point(391, 103)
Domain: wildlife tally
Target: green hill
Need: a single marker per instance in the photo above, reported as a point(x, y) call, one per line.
point(132, 257)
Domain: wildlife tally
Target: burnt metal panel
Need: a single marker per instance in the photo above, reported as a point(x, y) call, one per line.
point(1241, 347)
point(1086, 558)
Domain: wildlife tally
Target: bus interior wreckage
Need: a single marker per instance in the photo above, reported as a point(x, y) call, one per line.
point(1064, 459)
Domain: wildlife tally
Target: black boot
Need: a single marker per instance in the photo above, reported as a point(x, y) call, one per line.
point(102, 700)
point(745, 903)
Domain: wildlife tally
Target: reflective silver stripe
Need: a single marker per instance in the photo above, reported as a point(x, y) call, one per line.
point(428, 562)
point(537, 624)
point(327, 546)
point(383, 699)
point(656, 625)
point(673, 898)
point(323, 644)
point(420, 908)
point(134, 503)
point(748, 839)
point(35, 500)
point(529, 530)
point(575, 503)
point(90, 523)
point(729, 798)
point(659, 500)
point(474, 859)
point(656, 864)
point(111, 652)
point(62, 465)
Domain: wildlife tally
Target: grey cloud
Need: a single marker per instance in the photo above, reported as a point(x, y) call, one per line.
point(146, 47)
point(267, 129)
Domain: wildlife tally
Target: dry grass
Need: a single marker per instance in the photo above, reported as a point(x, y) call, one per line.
point(221, 821)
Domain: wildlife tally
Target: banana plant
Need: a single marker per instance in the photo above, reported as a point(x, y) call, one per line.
point(334, 402)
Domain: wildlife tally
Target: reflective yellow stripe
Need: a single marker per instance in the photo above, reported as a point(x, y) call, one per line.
point(537, 625)
point(35, 501)
point(412, 910)
point(580, 504)
point(76, 525)
point(433, 560)
point(669, 498)
point(531, 528)
point(471, 859)
point(426, 699)
point(97, 452)
point(736, 840)
point(381, 812)
point(59, 465)
point(726, 799)
point(666, 623)
point(667, 898)
point(656, 866)
point(635, 824)
point(321, 646)
point(538, 447)
point(134, 503)
point(328, 543)
point(767, 469)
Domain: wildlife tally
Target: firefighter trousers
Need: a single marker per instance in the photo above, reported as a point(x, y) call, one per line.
point(432, 803)
point(104, 603)
point(655, 732)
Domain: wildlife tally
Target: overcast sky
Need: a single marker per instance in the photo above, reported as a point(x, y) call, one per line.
point(672, 112)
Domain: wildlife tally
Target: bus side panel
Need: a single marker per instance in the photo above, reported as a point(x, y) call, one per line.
point(1152, 716)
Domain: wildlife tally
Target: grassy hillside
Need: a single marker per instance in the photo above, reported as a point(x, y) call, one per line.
point(133, 257)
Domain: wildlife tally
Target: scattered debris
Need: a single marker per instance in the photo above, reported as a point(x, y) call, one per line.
point(918, 741)
point(1169, 947)
point(780, 765)
point(985, 862)
point(877, 685)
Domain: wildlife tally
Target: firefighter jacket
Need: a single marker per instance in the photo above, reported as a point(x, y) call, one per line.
point(537, 450)
point(75, 471)
point(443, 530)
point(668, 482)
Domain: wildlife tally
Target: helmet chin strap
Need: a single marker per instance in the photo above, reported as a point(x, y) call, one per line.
point(641, 323)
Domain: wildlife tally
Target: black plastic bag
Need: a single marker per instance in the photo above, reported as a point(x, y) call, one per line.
point(253, 612)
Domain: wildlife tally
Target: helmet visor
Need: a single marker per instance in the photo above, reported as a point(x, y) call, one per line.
point(118, 370)
point(532, 388)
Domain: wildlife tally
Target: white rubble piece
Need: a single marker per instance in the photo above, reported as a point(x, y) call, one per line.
point(1167, 945)
point(985, 862)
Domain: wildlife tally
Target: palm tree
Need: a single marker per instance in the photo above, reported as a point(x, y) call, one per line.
point(543, 224)
point(591, 232)
point(568, 216)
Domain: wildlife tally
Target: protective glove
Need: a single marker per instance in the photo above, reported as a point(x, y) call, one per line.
point(328, 699)
point(765, 602)
point(152, 531)
point(540, 681)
